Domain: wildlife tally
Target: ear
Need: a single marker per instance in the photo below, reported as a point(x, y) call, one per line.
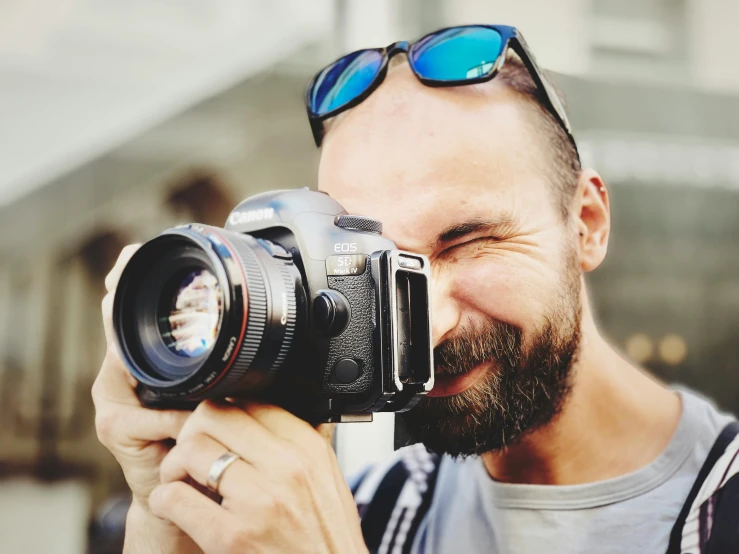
point(592, 212)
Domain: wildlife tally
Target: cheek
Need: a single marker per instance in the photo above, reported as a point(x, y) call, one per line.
point(516, 293)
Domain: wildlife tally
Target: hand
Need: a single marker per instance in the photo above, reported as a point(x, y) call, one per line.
point(284, 495)
point(136, 436)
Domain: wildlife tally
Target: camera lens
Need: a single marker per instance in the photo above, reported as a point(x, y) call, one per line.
point(202, 312)
point(192, 309)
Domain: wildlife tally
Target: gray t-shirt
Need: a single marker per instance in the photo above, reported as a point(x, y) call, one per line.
point(632, 514)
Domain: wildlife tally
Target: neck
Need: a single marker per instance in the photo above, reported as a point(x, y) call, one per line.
point(615, 420)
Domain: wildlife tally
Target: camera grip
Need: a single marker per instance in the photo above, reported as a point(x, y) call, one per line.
point(356, 342)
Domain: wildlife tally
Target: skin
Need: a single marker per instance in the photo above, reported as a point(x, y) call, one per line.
point(285, 494)
point(422, 160)
point(440, 171)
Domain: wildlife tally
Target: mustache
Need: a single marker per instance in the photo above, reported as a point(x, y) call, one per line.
point(474, 345)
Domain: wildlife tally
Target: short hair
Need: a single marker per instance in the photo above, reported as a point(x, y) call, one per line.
point(563, 167)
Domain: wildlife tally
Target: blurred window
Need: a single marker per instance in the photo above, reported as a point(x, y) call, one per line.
point(636, 39)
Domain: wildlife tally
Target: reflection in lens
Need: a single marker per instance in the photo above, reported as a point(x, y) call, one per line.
point(344, 80)
point(194, 314)
point(457, 54)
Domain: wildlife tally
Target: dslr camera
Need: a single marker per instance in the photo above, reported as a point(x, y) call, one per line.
point(294, 302)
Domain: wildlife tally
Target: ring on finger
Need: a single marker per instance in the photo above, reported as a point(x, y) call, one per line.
point(215, 474)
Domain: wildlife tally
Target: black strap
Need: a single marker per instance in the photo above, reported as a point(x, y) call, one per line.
point(725, 528)
point(376, 515)
point(719, 447)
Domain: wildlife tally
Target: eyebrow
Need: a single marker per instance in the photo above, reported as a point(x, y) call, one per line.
point(460, 230)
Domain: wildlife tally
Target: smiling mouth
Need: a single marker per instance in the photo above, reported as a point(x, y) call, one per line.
point(448, 385)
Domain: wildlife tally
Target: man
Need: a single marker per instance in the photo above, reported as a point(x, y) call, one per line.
point(562, 445)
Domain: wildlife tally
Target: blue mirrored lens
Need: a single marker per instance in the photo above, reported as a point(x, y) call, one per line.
point(344, 80)
point(457, 54)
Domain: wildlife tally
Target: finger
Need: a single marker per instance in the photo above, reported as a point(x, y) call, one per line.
point(211, 526)
point(111, 280)
point(238, 432)
point(313, 443)
point(114, 374)
point(120, 426)
point(326, 430)
point(195, 456)
point(110, 337)
point(282, 423)
point(114, 382)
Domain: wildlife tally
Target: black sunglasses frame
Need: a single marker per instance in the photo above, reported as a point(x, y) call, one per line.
point(511, 38)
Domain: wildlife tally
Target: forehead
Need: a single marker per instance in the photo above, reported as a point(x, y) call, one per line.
point(422, 158)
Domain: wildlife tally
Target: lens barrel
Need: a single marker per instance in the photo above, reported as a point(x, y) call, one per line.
point(202, 312)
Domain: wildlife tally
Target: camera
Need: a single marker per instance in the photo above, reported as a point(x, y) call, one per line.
point(294, 302)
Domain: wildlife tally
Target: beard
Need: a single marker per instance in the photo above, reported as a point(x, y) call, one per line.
point(524, 390)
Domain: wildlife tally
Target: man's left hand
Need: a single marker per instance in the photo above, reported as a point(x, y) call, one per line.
point(285, 493)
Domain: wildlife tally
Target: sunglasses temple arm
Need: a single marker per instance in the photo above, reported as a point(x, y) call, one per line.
point(519, 46)
point(316, 126)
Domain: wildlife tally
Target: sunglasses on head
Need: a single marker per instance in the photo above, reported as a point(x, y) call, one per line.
point(450, 57)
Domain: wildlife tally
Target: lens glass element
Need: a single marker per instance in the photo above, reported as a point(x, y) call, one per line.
point(191, 324)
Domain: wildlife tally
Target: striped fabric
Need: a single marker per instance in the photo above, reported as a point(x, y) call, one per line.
point(701, 517)
point(392, 499)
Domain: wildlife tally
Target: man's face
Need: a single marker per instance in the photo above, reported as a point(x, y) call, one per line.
point(455, 174)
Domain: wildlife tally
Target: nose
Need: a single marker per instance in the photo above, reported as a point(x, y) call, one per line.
point(445, 312)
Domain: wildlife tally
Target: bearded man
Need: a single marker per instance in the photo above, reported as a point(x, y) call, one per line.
point(546, 438)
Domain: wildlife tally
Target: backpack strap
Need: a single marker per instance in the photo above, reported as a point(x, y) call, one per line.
point(725, 438)
point(724, 522)
point(393, 515)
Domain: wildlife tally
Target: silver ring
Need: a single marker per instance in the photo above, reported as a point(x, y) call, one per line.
point(218, 469)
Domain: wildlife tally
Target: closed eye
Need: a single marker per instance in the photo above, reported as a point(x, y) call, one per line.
point(472, 242)
point(476, 231)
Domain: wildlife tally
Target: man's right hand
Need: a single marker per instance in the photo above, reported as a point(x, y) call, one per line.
point(138, 437)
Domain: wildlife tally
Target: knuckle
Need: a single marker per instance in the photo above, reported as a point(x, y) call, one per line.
point(95, 391)
point(128, 251)
point(189, 447)
point(110, 280)
point(270, 505)
point(275, 507)
point(297, 469)
point(238, 539)
point(173, 420)
point(106, 426)
point(204, 410)
point(316, 443)
point(173, 466)
point(170, 494)
point(195, 423)
point(210, 410)
point(170, 463)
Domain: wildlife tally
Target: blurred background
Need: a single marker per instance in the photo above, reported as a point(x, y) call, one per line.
point(119, 119)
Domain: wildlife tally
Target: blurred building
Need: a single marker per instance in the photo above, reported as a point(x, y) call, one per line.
point(121, 119)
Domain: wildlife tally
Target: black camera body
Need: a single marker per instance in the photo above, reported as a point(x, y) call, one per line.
point(294, 302)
